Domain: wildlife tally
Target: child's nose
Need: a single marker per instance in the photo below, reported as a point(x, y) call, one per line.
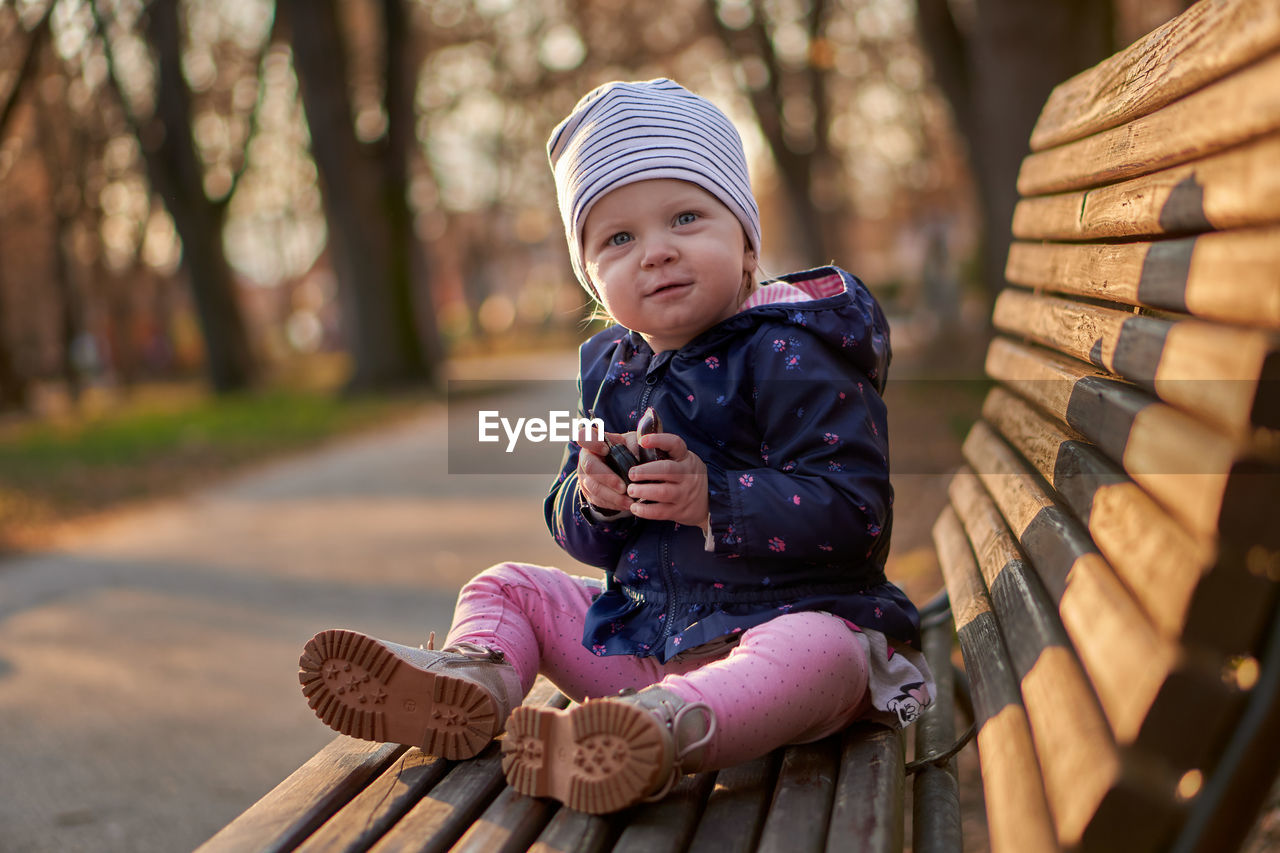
point(658, 252)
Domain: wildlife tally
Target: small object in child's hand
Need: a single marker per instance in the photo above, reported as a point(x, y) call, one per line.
point(621, 460)
point(649, 424)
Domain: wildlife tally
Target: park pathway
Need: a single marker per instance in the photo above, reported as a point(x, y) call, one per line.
point(148, 688)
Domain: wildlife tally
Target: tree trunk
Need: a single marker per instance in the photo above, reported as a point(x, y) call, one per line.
point(417, 328)
point(64, 161)
point(370, 231)
point(26, 70)
point(808, 234)
point(13, 386)
point(174, 169)
point(70, 326)
point(997, 78)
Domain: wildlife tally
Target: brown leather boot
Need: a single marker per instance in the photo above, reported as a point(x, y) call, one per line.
point(607, 754)
point(450, 702)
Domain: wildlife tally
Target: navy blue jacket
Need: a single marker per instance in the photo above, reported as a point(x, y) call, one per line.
point(782, 403)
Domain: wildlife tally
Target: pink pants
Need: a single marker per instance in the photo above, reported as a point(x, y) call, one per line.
point(794, 679)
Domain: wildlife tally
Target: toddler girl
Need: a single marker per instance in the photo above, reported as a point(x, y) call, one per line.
point(744, 589)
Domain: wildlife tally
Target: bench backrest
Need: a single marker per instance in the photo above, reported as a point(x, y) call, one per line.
point(1115, 528)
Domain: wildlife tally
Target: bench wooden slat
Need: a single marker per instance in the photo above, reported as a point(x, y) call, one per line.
point(1232, 189)
point(1227, 276)
point(440, 818)
point(935, 791)
point(508, 825)
point(1017, 809)
point(1073, 742)
point(294, 808)
point(363, 820)
point(1022, 606)
point(574, 832)
point(866, 814)
point(737, 807)
point(1206, 42)
point(1210, 371)
point(1233, 110)
point(806, 786)
point(1182, 463)
point(669, 824)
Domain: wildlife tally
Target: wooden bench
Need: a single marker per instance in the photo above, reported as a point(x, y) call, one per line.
point(1112, 547)
point(842, 793)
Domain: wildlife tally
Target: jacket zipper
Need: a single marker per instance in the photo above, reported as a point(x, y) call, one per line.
point(668, 582)
point(650, 381)
point(668, 586)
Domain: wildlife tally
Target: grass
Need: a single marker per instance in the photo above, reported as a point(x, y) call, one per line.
point(160, 442)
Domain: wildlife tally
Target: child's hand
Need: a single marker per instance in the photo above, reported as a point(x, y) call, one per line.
point(598, 483)
point(675, 488)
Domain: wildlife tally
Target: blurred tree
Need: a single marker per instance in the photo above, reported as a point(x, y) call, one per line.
point(996, 61)
point(791, 103)
point(13, 385)
point(375, 253)
point(176, 172)
point(65, 157)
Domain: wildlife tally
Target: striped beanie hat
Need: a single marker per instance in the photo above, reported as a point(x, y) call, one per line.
point(621, 133)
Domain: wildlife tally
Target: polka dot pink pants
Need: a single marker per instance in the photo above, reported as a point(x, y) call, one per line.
point(797, 678)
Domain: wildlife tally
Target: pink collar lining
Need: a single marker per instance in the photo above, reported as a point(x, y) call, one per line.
point(785, 292)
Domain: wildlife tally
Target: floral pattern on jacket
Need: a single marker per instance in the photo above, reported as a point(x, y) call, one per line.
point(782, 403)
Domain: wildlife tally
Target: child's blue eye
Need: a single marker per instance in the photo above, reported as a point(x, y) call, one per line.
point(686, 218)
point(619, 238)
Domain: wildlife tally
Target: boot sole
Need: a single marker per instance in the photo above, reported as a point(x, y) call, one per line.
point(597, 757)
point(359, 687)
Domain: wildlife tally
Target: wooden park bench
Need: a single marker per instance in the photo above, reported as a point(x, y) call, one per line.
point(1111, 550)
point(355, 795)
